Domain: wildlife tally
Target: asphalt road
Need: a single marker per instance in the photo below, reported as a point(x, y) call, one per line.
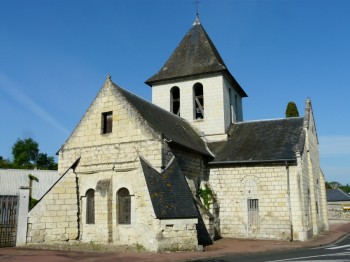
point(337, 252)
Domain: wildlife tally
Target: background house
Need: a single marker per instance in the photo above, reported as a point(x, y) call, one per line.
point(338, 203)
point(12, 179)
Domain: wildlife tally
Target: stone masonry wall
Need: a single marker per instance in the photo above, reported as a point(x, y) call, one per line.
point(113, 159)
point(234, 186)
point(177, 234)
point(55, 217)
point(336, 211)
point(316, 189)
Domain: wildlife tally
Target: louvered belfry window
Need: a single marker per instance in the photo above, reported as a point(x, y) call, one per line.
point(175, 100)
point(90, 206)
point(198, 101)
point(253, 212)
point(107, 122)
point(124, 206)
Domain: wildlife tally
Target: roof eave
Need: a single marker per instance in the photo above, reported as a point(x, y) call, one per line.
point(171, 79)
point(293, 160)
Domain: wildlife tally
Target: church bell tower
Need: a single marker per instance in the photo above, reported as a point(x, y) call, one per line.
point(195, 84)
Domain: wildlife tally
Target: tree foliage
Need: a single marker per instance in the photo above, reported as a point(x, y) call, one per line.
point(335, 185)
point(5, 163)
point(26, 155)
point(292, 110)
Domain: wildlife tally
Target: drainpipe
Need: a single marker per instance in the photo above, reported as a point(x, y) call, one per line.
point(289, 203)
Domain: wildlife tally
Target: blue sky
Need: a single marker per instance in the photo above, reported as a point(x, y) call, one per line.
point(55, 55)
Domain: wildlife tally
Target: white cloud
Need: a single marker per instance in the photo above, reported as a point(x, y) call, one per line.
point(10, 87)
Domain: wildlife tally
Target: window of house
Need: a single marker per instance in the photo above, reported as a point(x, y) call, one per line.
point(198, 101)
point(175, 100)
point(107, 122)
point(253, 212)
point(90, 206)
point(124, 206)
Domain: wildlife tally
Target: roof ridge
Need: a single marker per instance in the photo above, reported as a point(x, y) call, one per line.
point(165, 123)
point(268, 120)
point(145, 100)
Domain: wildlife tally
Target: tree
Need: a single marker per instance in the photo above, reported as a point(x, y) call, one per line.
point(46, 162)
point(292, 110)
point(5, 163)
point(328, 185)
point(26, 155)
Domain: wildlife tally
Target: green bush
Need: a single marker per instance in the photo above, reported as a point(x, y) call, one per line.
point(32, 203)
point(292, 110)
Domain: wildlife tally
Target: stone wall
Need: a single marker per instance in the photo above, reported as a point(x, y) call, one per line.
point(311, 169)
point(337, 212)
point(177, 234)
point(55, 217)
point(108, 163)
point(234, 186)
point(119, 149)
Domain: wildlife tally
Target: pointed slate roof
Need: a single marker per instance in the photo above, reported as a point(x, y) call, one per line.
point(337, 195)
point(262, 141)
point(195, 55)
point(170, 195)
point(172, 127)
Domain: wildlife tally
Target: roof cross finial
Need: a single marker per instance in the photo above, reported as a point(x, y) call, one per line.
point(197, 12)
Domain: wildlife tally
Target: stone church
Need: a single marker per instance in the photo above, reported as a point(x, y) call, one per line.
point(185, 169)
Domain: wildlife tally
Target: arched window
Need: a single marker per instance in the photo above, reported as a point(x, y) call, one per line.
point(124, 206)
point(198, 101)
point(90, 206)
point(175, 100)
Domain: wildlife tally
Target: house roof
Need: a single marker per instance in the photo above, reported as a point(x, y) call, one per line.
point(169, 192)
point(334, 195)
point(195, 55)
point(261, 141)
point(171, 126)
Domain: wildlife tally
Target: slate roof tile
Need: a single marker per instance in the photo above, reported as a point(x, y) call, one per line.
point(170, 195)
point(195, 55)
point(262, 141)
point(334, 195)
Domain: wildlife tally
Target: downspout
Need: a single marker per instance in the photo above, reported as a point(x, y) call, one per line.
point(289, 203)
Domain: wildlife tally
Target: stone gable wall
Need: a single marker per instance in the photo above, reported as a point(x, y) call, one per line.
point(109, 162)
point(315, 202)
point(130, 136)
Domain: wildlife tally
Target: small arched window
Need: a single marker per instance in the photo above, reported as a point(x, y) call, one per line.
point(90, 206)
point(198, 101)
point(124, 206)
point(175, 100)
